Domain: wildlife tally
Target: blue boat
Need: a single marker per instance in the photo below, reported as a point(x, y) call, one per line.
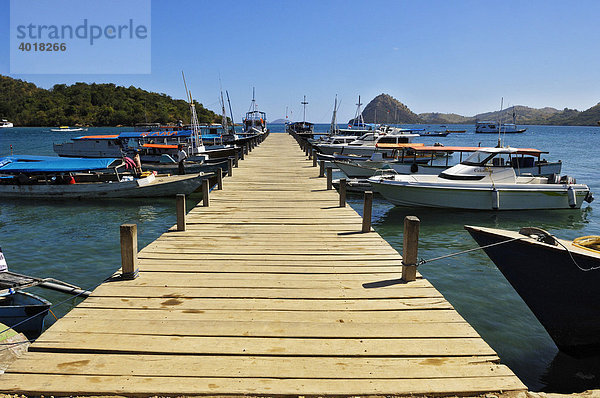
point(24, 312)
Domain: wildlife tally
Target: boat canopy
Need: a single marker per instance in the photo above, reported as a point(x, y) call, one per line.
point(49, 164)
point(519, 151)
point(156, 134)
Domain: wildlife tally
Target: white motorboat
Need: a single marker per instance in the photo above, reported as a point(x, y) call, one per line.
point(493, 127)
point(255, 122)
point(369, 143)
point(67, 129)
point(484, 181)
point(5, 124)
point(527, 161)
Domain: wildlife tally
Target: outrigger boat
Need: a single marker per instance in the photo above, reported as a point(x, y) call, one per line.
point(486, 180)
point(557, 279)
point(77, 178)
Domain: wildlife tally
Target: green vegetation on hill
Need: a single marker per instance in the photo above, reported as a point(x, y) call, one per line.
point(83, 104)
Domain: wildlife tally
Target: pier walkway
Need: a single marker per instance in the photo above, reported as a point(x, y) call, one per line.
point(269, 291)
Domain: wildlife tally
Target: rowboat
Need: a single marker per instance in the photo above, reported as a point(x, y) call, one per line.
point(79, 178)
point(484, 181)
point(556, 278)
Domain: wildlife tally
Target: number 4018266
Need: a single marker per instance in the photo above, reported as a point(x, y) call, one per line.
point(43, 46)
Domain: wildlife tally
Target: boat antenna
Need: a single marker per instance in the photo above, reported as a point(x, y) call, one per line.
point(196, 140)
point(230, 111)
point(304, 103)
point(500, 123)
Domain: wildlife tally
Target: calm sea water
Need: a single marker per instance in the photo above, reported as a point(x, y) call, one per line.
point(79, 242)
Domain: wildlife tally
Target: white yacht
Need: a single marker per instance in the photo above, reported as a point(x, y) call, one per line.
point(484, 181)
point(369, 143)
point(5, 124)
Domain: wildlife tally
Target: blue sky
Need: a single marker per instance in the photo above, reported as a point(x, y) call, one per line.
point(434, 56)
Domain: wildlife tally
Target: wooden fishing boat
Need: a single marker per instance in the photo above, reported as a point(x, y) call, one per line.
point(23, 312)
point(557, 279)
point(78, 178)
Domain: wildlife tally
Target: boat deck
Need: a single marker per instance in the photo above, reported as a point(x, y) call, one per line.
point(269, 291)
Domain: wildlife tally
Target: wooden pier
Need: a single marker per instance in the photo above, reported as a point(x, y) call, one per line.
point(270, 290)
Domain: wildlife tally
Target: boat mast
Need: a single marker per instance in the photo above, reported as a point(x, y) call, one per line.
point(333, 128)
point(196, 139)
point(500, 123)
point(358, 118)
point(304, 103)
point(230, 111)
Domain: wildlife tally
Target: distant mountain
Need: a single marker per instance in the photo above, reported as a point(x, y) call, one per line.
point(277, 121)
point(386, 109)
point(445, 118)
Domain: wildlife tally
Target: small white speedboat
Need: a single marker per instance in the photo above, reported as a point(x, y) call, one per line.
point(484, 181)
point(67, 129)
point(6, 124)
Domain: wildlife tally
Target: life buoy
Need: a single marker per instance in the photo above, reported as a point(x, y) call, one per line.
point(414, 168)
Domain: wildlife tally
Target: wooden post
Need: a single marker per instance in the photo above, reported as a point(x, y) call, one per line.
point(235, 160)
point(329, 178)
point(410, 249)
point(342, 192)
point(205, 191)
point(310, 152)
point(219, 178)
point(180, 205)
point(322, 168)
point(246, 150)
point(129, 250)
point(242, 150)
point(314, 157)
point(230, 166)
point(367, 208)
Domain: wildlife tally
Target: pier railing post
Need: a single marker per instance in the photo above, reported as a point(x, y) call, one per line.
point(129, 246)
point(367, 210)
point(219, 178)
point(236, 160)
point(322, 168)
point(342, 192)
point(410, 249)
point(230, 166)
point(329, 178)
point(205, 192)
point(314, 157)
point(242, 150)
point(311, 152)
point(180, 205)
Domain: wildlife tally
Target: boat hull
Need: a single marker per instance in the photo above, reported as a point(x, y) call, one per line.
point(141, 188)
point(479, 196)
point(24, 312)
point(565, 299)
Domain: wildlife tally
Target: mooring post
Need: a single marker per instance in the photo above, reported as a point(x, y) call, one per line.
point(322, 169)
point(242, 152)
point(219, 178)
point(329, 178)
point(180, 205)
point(129, 245)
point(205, 191)
point(410, 249)
point(230, 166)
point(314, 157)
point(235, 160)
point(367, 209)
point(342, 192)
point(311, 152)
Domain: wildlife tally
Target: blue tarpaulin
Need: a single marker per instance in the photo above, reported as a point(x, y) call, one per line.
point(156, 134)
point(51, 164)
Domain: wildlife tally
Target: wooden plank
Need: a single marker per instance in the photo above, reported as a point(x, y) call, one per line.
point(256, 367)
point(273, 346)
point(314, 305)
point(152, 386)
point(176, 315)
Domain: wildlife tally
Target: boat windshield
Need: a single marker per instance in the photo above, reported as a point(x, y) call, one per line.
point(367, 137)
point(478, 159)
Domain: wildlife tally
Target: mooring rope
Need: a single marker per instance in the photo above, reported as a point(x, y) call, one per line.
point(423, 261)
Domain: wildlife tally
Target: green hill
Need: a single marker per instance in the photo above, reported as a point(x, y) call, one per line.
point(83, 104)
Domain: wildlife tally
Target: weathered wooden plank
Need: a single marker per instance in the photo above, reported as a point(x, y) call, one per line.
point(273, 346)
point(257, 328)
point(176, 315)
point(257, 367)
point(152, 386)
point(314, 305)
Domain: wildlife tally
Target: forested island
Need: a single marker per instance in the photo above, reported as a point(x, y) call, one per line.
point(83, 104)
